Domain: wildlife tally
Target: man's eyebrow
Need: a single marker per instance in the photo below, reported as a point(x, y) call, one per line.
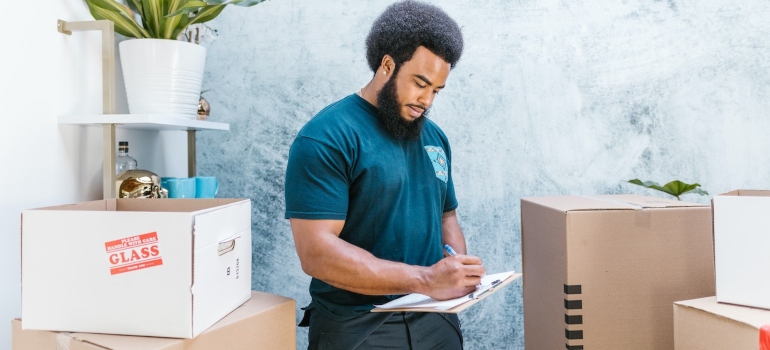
point(423, 78)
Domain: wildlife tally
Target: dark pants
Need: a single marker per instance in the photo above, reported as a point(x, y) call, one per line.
point(385, 330)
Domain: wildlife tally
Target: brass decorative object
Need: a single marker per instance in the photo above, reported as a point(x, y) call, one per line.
point(204, 109)
point(139, 184)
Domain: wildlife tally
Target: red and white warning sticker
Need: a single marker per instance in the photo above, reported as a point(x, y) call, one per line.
point(133, 253)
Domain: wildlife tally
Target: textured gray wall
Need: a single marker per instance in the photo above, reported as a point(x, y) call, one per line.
point(550, 98)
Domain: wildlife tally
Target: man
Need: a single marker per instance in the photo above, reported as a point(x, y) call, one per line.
point(370, 197)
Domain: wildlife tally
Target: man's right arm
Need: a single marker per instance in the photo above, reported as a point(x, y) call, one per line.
point(328, 258)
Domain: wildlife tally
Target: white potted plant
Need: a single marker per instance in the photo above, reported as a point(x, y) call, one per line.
point(162, 75)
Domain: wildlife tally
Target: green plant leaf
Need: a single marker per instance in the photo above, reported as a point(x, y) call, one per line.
point(111, 5)
point(124, 24)
point(675, 188)
point(170, 22)
point(135, 5)
point(190, 6)
point(698, 191)
point(184, 21)
point(207, 13)
point(236, 2)
point(161, 19)
point(152, 16)
point(652, 185)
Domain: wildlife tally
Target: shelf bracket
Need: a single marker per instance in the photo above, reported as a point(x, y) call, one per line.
point(108, 91)
point(108, 55)
point(191, 166)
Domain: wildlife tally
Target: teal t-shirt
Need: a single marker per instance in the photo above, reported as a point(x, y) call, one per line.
point(345, 165)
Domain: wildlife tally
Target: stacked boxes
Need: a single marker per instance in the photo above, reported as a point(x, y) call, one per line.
point(155, 268)
point(733, 319)
point(602, 272)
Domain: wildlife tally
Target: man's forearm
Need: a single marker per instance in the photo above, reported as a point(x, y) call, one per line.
point(451, 233)
point(343, 265)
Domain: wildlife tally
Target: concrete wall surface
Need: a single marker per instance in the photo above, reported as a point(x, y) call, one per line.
point(549, 98)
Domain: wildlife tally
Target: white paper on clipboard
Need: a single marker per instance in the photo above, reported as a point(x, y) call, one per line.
point(421, 301)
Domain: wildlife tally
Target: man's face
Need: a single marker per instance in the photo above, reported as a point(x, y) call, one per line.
point(405, 99)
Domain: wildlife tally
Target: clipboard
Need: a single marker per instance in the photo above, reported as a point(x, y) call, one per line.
point(462, 303)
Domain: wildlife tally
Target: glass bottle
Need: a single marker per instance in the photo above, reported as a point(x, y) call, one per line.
point(123, 161)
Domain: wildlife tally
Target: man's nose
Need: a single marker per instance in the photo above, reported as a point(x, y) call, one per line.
point(426, 98)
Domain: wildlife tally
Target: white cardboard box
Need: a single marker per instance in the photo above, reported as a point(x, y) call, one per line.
point(149, 267)
point(741, 241)
point(705, 324)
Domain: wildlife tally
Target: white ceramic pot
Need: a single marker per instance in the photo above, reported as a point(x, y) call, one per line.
point(162, 76)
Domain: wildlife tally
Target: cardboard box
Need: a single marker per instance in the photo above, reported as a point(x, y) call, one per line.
point(601, 272)
point(266, 321)
point(705, 324)
point(154, 267)
point(741, 239)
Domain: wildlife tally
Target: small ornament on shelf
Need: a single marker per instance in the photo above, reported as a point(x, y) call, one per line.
point(203, 109)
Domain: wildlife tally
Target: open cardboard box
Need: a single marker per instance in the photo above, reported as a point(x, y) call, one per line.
point(149, 267)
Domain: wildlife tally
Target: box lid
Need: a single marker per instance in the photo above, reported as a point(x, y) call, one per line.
point(164, 205)
point(608, 202)
point(747, 193)
point(747, 315)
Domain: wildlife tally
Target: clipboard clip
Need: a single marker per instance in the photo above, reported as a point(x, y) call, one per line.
point(485, 291)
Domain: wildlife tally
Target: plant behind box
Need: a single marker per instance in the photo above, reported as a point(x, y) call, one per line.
point(160, 19)
point(675, 188)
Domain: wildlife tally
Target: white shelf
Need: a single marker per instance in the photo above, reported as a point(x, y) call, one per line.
point(144, 122)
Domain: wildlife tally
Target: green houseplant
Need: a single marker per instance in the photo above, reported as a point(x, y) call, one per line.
point(162, 75)
point(675, 188)
point(159, 19)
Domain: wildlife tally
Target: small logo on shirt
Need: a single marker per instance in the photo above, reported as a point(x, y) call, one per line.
point(438, 159)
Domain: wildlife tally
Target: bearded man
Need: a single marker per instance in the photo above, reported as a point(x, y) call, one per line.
point(370, 197)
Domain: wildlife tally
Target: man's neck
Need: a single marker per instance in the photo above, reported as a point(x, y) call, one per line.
point(370, 90)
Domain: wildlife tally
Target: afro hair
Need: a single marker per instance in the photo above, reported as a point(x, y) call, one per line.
point(407, 25)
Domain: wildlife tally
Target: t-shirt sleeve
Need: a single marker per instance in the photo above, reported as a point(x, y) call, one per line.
point(316, 185)
point(450, 201)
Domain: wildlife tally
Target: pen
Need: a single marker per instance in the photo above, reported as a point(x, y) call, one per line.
point(449, 250)
point(476, 296)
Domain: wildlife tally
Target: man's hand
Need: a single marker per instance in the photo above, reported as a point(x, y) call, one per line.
point(454, 276)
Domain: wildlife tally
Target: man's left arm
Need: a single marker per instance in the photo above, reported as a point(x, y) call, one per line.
point(451, 232)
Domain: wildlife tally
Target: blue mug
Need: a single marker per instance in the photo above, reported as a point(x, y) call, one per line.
point(206, 186)
point(179, 187)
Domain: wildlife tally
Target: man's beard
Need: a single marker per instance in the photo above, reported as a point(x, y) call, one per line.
point(389, 111)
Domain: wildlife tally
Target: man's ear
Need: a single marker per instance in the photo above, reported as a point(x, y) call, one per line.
point(387, 65)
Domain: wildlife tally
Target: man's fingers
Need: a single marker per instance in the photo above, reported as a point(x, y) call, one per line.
point(474, 270)
point(472, 281)
point(468, 259)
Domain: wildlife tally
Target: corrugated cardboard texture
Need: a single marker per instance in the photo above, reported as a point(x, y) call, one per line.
point(266, 321)
point(544, 265)
point(605, 278)
point(704, 324)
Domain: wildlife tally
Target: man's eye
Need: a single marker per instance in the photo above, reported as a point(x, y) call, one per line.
point(421, 86)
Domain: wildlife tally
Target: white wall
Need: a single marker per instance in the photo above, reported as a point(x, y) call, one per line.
point(44, 74)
